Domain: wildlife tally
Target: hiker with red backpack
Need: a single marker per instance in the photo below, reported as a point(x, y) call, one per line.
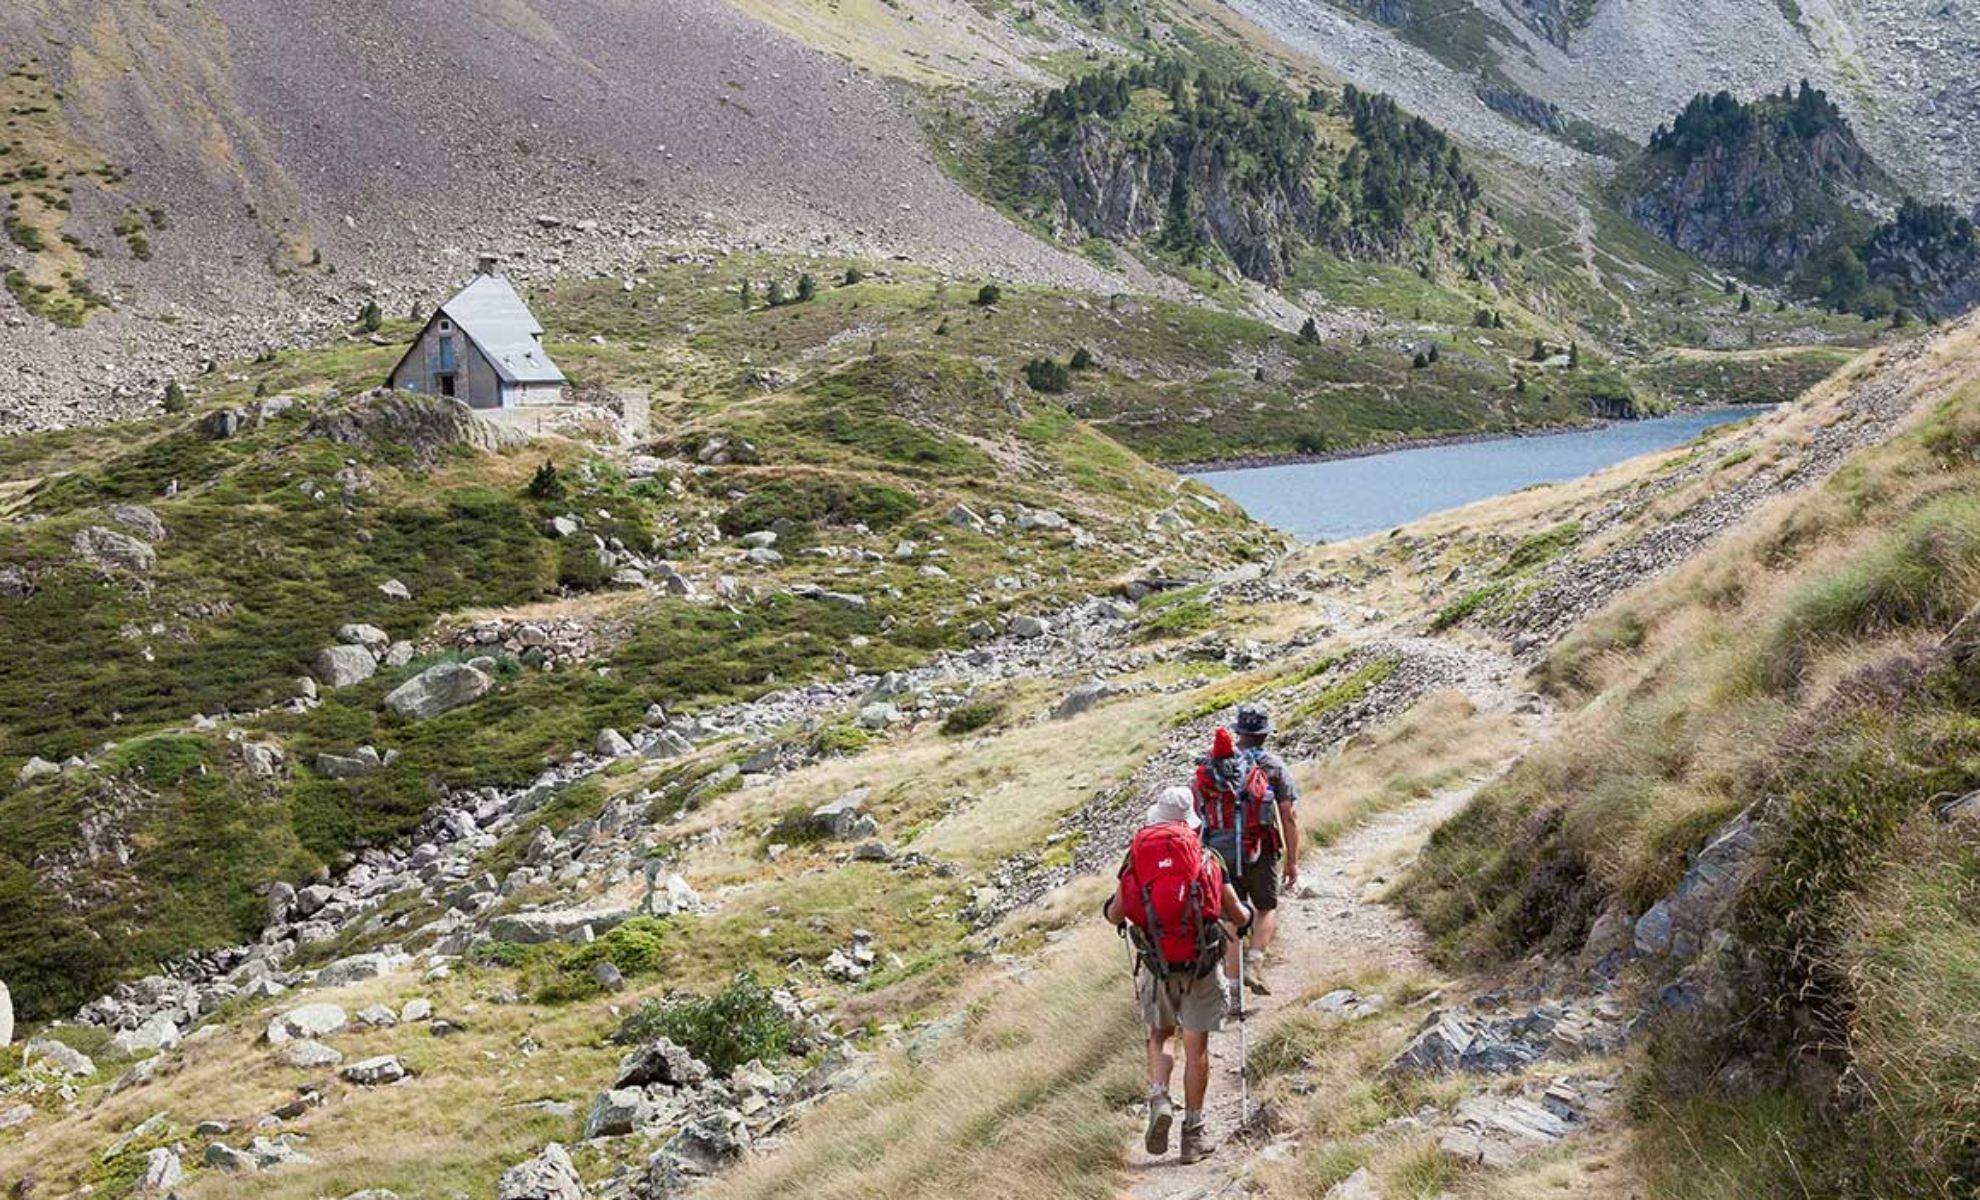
point(1241, 786)
point(1178, 912)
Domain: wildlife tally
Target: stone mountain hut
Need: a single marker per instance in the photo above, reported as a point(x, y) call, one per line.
point(483, 347)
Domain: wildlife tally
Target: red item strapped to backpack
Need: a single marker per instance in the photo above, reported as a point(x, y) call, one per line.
point(1172, 892)
point(1220, 780)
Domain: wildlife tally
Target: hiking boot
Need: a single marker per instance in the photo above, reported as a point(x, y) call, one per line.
point(1160, 1115)
point(1254, 975)
point(1196, 1144)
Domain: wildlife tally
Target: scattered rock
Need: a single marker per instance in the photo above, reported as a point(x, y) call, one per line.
point(612, 744)
point(162, 1171)
point(548, 1176)
point(617, 1112)
point(1082, 699)
point(660, 1061)
point(395, 590)
point(1359, 1186)
point(375, 1072)
point(1029, 627)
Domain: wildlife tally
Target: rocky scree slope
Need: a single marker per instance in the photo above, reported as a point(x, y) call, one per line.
point(1904, 72)
point(303, 162)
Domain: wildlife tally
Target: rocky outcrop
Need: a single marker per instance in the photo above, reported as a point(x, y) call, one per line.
point(1929, 256)
point(1762, 187)
point(1523, 107)
point(426, 426)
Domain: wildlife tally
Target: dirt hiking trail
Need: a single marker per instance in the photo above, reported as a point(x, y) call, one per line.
point(1335, 926)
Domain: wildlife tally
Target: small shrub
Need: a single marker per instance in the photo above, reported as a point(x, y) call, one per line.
point(175, 398)
point(737, 1024)
point(988, 295)
point(580, 569)
point(853, 276)
point(1047, 375)
point(807, 287)
point(546, 484)
point(969, 718)
point(370, 318)
point(1309, 333)
point(635, 948)
point(1082, 359)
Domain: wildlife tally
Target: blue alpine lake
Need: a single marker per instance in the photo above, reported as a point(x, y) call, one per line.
point(1349, 497)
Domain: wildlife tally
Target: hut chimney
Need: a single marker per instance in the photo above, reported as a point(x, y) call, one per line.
point(485, 264)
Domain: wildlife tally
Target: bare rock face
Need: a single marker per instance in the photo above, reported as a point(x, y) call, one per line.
point(6, 1016)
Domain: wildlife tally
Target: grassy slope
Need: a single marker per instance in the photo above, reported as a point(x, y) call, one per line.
point(258, 573)
point(1797, 670)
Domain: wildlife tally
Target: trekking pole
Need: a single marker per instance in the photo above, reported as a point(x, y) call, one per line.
point(1244, 1010)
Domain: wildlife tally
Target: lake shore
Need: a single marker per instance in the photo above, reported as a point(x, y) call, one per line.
point(1248, 462)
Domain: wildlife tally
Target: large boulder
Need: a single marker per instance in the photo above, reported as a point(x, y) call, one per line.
point(140, 520)
point(840, 818)
point(1030, 627)
point(342, 666)
point(108, 549)
point(308, 1021)
point(62, 1059)
point(618, 1112)
point(371, 637)
point(359, 967)
point(555, 925)
point(158, 1033)
point(660, 1061)
point(36, 769)
point(548, 1176)
point(1082, 699)
point(308, 1054)
point(362, 761)
point(440, 688)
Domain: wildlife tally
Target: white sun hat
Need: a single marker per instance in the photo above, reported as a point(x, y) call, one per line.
point(1174, 804)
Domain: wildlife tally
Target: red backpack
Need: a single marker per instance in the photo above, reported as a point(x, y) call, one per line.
point(1172, 894)
point(1221, 780)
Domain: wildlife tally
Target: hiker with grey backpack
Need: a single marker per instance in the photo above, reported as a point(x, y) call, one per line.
point(1176, 909)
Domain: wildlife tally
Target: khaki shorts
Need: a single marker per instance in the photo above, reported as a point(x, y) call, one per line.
point(1197, 1005)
